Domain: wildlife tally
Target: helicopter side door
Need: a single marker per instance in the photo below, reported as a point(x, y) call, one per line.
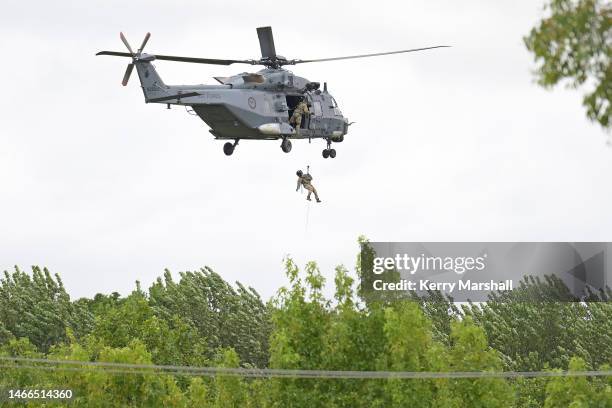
point(316, 112)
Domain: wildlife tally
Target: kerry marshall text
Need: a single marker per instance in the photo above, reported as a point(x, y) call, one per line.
point(448, 287)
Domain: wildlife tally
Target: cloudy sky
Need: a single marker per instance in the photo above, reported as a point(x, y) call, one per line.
point(450, 144)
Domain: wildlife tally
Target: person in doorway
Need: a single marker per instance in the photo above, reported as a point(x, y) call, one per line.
point(296, 119)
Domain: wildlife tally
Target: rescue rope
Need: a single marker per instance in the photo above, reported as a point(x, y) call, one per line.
point(307, 214)
point(308, 204)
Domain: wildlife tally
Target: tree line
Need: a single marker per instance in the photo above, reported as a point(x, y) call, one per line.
point(202, 320)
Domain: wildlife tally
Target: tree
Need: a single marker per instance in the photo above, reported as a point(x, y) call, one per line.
point(172, 342)
point(225, 317)
point(95, 387)
point(14, 378)
point(538, 326)
point(526, 329)
point(311, 332)
point(577, 392)
point(230, 389)
point(410, 347)
point(38, 307)
point(574, 43)
point(300, 321)
point(198, 393)
point(470, 352)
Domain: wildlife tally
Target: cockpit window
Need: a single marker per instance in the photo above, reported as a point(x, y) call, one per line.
point(334, 104)
point(317, 108)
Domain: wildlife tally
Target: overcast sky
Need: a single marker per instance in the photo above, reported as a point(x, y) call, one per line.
point(450, 144)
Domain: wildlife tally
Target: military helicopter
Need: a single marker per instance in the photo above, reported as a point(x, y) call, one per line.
point(254, 106)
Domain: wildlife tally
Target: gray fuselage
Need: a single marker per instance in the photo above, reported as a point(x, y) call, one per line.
point(251, 105)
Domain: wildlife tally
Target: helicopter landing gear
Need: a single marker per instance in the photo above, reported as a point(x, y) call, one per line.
point(286, 145)
point(329, 152)
point(228, 148)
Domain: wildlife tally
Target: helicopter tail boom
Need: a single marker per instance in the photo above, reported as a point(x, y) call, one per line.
point(153, 86)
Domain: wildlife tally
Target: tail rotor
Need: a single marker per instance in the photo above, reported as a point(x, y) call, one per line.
point(144, 42)
point(135, 56)
point(128, 72)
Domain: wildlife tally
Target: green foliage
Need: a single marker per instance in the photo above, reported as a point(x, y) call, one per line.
point(19, 348)
point(230, 389)
point(298, 337)
point(94, 387)
point(170, 342)
point(577, 392)
point(198, 393)
point(574, 43)
point(101, 303)
point(539, 326)
point(534, 327)
point(409, 346)
point(311, 332)
point(225, 317)
point(37, 307)
point(182, 323)
point(470, 352)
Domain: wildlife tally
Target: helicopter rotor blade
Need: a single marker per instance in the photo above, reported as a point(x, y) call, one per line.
point(266, 42)
point(299, 61)
point(115, 53)
point(144, 42)
point(211, 61)
point(127, 44)
point(128, 72)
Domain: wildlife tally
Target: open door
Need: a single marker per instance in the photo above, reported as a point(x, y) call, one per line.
point(292, 103)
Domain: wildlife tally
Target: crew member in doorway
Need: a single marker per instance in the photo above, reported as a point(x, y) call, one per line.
point(305, 180)
point(296, 118)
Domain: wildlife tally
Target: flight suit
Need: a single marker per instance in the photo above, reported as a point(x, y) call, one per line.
point(296, 118)
point(305, 182)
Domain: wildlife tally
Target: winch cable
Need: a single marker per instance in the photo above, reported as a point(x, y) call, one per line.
point(307, 204)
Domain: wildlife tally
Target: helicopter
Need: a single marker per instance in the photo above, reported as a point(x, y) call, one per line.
point(250, 105)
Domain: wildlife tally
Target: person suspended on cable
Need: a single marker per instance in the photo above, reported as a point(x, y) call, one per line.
point(305, 180)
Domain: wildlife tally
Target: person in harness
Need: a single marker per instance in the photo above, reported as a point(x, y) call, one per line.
point(305, 180)
point(296, 118)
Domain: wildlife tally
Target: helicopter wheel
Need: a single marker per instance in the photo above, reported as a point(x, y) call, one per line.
point(228, 149)
point(332, 153)
point(286, 145)
point(326, 153)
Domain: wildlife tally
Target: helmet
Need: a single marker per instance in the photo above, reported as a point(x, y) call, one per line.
point(299, 173)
